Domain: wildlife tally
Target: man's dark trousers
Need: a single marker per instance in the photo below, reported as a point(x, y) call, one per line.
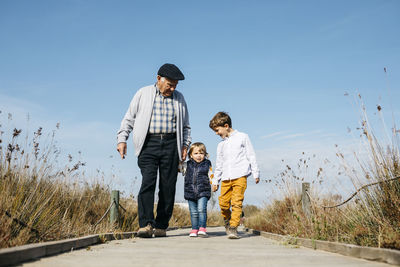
point(158, 155)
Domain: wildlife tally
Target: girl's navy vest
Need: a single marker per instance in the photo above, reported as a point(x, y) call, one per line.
point(197, 183)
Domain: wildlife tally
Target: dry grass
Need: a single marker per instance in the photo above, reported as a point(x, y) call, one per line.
point(42, 200)
point(372, 218)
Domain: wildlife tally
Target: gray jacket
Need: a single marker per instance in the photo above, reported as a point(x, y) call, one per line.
point(137, 119)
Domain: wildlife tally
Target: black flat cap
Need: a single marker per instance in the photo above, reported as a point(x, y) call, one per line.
point(170, 71)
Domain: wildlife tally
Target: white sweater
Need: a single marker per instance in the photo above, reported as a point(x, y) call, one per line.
point(235, 158)
point(137, 119)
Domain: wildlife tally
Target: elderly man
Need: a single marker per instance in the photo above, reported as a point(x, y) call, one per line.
point(159, 119)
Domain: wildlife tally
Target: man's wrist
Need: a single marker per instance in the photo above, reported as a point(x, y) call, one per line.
point(121, 139)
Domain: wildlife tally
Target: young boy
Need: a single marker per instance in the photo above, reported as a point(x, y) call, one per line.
point(236, 161)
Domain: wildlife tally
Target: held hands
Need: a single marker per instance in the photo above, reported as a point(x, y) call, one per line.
point(121, 148)
point(215, 187)
point(184, 153)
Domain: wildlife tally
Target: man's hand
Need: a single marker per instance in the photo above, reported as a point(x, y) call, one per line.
point(257, 180)
point(121, 148)
point(184, 153)
point(215, 187)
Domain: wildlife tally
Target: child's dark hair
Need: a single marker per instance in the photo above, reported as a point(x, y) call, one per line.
point(220, 119)
point(201, 147)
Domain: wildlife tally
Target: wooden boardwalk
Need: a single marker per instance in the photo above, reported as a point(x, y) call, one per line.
point(180, 250)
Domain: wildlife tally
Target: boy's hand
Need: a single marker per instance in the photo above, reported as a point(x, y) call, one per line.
point(257, 180)
point(214, 187)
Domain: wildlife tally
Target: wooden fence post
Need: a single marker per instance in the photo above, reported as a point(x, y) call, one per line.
point(305, 199)
point(114, 215)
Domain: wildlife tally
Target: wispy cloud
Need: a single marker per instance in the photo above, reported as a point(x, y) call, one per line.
point(291, 136)
point(19, 108)
point(281, 135)
point(273, 134)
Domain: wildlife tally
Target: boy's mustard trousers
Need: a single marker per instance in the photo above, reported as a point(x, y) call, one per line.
point(232, 194)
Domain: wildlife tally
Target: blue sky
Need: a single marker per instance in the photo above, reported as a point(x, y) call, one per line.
point(280, 68)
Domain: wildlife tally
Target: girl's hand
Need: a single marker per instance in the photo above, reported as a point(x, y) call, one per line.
point(257, 180)
point(214, 188)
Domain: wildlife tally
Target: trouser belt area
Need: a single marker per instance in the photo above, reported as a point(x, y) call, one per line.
point(162, 136)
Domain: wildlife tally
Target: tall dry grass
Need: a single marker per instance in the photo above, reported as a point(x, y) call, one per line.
point(42, 199)
point(372, 218)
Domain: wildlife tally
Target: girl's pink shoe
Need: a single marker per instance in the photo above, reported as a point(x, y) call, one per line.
point(193, 233)
point(202, 232)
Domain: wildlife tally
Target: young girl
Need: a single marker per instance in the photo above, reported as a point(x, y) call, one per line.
point(198, 188)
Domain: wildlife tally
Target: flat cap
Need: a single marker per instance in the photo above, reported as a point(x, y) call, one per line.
point(170, 71)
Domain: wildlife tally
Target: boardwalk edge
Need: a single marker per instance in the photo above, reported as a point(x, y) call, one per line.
point(374, 254)
point(15, 255)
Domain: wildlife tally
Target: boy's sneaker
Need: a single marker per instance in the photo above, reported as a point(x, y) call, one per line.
point(202, 232)
point(193, 233)
point(233, 234)
point(227, 226)
point(145, 232)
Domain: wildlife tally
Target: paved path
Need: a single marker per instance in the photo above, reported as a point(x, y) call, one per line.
point(180, 250)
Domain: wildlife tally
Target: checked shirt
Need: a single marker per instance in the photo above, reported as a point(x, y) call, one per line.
point(163, 118)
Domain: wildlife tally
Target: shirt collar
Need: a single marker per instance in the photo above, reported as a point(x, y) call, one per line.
point(157, 89)
point(158, 93)
point(232, 134)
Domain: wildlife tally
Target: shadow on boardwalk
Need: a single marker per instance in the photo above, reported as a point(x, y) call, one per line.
point(212, 233)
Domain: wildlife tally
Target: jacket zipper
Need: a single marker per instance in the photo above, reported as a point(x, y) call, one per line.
point(195, 180)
